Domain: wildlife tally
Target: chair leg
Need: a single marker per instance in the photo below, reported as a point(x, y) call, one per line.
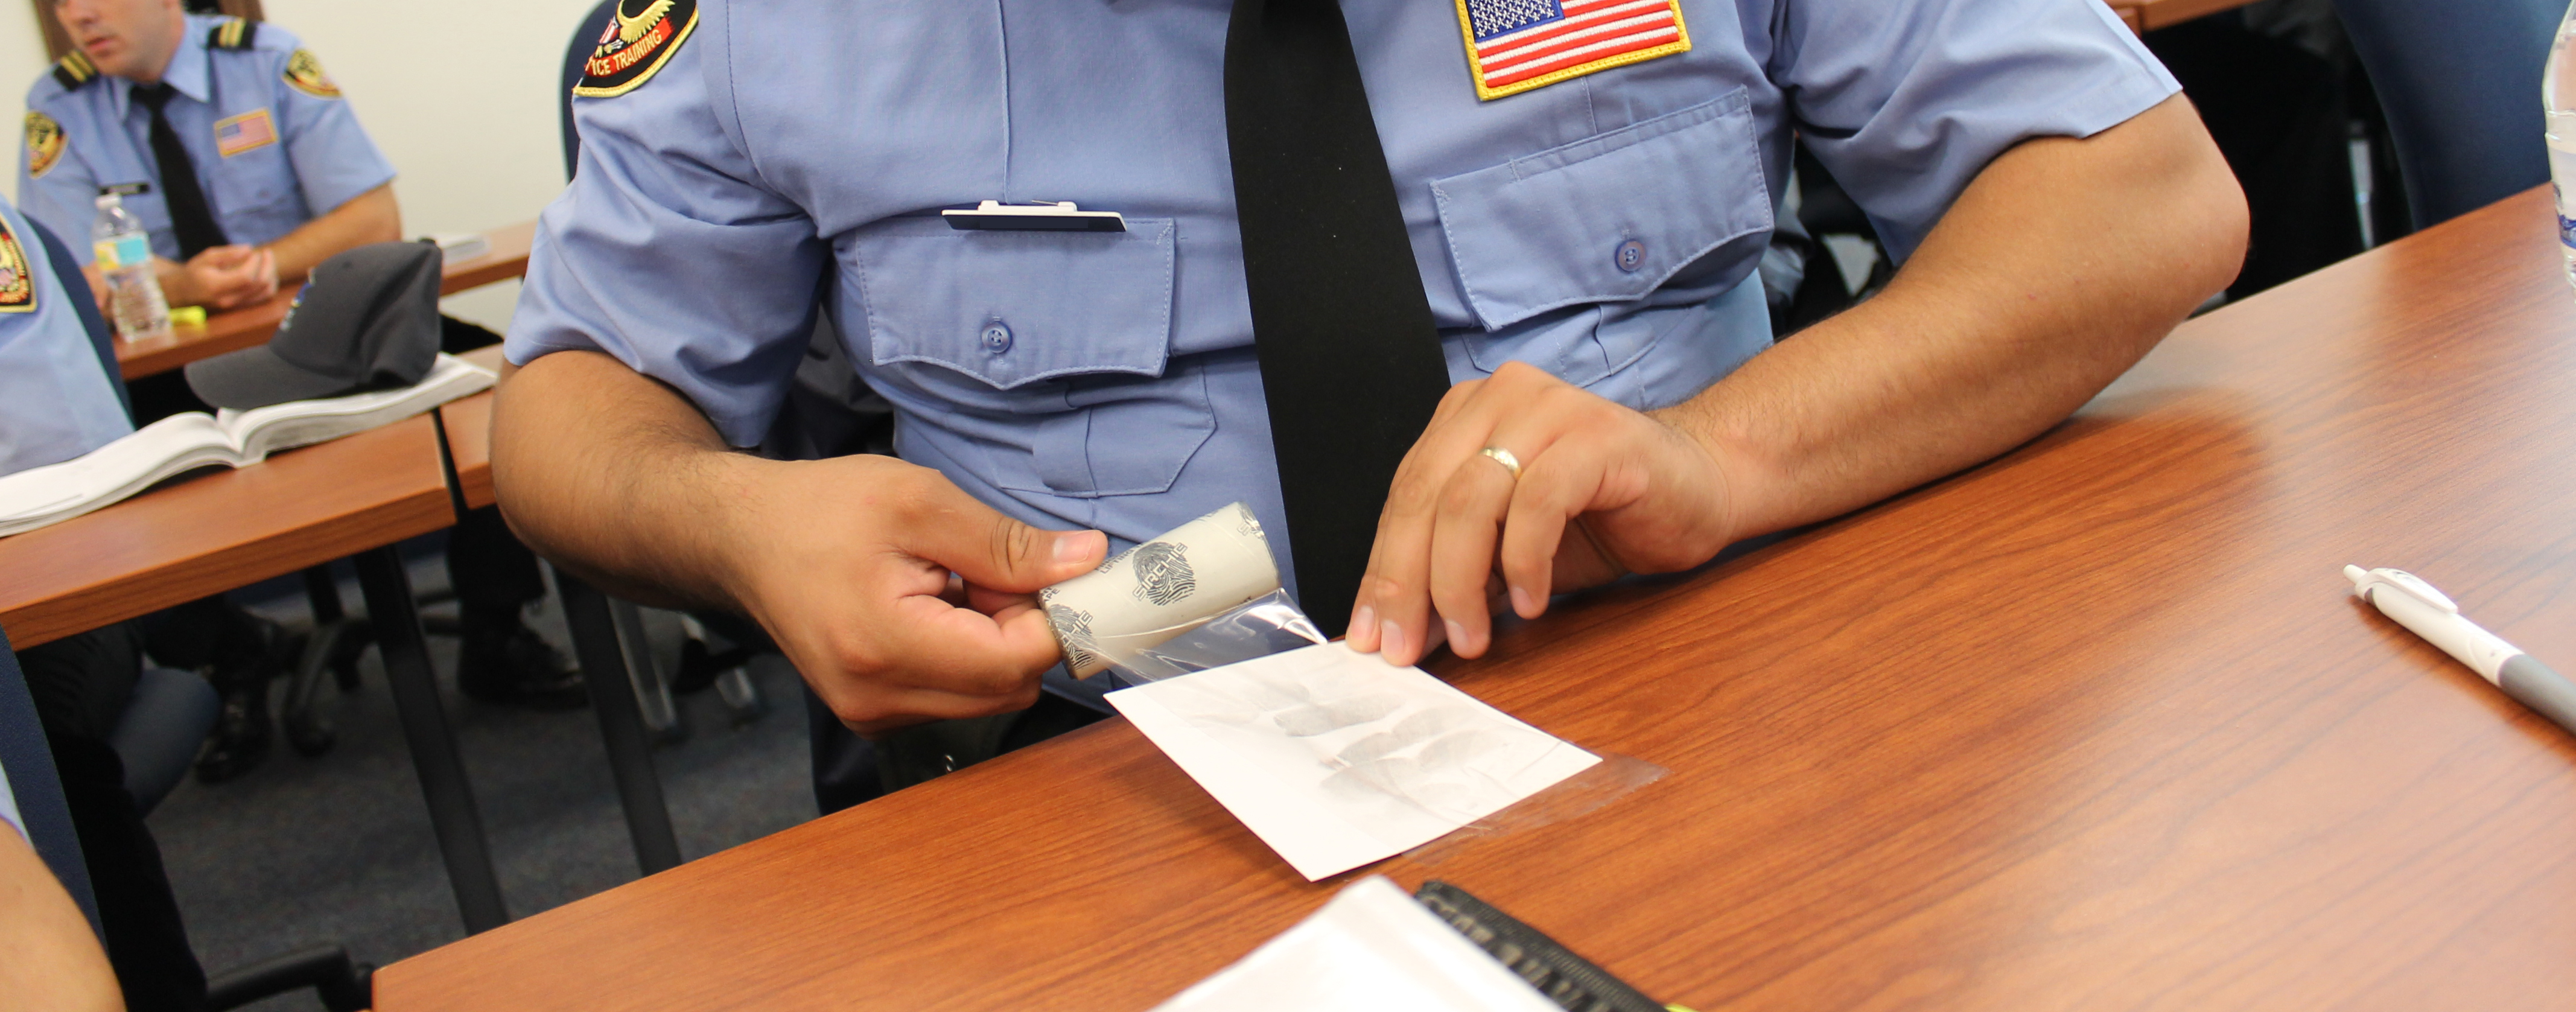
point(661, 716)
point(343, 985)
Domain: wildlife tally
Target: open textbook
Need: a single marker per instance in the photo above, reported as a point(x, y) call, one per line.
point(184, 442)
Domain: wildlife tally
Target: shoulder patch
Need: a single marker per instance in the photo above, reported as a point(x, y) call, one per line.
point(45, 143)
point(640, 36)
point(17, 279)
point(233, 33)
point(304, 73)
point(74, 70)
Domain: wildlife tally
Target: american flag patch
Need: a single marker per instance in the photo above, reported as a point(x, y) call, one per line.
point(1516, 45)
point(236, 134)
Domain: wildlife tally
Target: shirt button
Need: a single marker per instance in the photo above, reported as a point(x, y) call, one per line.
point(1630, 256)
point(996, 337)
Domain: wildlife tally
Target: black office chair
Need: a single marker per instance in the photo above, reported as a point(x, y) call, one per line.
point(2460, 83)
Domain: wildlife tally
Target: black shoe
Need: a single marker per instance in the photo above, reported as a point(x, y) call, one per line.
point(240, 739)
point(511, 666)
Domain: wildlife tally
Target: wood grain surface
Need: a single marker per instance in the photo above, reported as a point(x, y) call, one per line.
point(235, 329)
point(508, 258)
point(2149, 15)
point(2094, 726)
point(223, 529)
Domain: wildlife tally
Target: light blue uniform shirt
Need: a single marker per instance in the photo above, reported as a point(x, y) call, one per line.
point(56, 400)
point(316, 156)
point(800, 150)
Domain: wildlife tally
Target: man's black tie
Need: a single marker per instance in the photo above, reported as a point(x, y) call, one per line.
point(1350, 359)
point(189, 215)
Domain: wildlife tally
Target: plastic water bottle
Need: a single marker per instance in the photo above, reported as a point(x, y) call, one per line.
point(2558, 99)
point(124, 254)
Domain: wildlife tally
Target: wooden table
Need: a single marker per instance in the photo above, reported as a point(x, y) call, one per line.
point(235, 329)
point(2096, 725)
point(355, 497)
point(2148, 15)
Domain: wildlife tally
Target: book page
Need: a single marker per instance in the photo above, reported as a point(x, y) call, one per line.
point(262, 431)
point(44, 495)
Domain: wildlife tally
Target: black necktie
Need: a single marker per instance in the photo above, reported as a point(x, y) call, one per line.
point(189, 216)
point(1350, 359)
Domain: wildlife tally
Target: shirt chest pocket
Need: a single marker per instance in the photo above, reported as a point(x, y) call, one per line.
point(1047, 348)
point(1609, 218)
point(254, 182)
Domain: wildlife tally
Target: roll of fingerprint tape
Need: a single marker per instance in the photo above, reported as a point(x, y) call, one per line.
point(1160, 589)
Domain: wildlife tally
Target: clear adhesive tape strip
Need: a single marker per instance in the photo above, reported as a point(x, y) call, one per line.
point(1160, 589)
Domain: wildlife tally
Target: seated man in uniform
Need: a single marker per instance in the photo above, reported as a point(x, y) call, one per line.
point(241, 157)
point(230, 143)
point(57, 402)
point(1580, 190)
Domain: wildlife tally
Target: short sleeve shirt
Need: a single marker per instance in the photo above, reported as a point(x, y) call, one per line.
point(56, 398)
point(1594, 210)
point(272, 141)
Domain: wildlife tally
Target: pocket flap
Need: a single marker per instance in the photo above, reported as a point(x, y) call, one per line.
point(1607, 218)
point(1012, 308)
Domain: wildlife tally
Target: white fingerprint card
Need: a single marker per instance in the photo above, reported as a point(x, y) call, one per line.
point(1337, 758)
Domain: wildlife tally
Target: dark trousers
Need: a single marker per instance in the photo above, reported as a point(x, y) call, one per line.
point(494, 575)
point(849, 769)
point(81, 685)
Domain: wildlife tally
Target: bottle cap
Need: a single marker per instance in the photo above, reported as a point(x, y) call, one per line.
point(110, 199)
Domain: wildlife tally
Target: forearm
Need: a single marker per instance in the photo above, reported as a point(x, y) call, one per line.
point(2063, 263)
point(370, 217)
point(618, 479)
point(48, 957)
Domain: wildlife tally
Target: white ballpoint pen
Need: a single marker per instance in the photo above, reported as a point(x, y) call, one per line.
point(2413, 603)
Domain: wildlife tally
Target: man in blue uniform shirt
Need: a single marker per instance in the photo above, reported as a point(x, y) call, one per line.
point(278, 175)
point(1584, 186)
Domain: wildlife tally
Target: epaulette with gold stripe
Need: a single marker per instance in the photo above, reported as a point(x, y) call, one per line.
point(234, 33)
point(74, 70)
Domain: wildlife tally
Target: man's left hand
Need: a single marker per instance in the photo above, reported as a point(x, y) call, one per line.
point(1602, 491)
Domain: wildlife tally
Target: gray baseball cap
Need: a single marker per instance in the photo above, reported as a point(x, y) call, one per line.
point(367, 320)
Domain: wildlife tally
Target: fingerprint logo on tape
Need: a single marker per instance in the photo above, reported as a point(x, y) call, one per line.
point(1163, 573)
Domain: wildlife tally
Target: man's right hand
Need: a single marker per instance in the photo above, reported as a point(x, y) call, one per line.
point(221, 278)
point(847, 562)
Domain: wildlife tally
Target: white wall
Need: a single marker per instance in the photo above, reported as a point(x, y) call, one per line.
point(461, 95)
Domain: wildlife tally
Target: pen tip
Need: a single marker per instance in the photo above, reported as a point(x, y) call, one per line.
point(2355, 574)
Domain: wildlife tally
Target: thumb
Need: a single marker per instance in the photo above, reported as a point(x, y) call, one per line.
point(995, 552)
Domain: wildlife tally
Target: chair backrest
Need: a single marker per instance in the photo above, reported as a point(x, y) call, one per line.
point(584, 39)
point(29, 762)
point(2460, 81)
point(100, 335)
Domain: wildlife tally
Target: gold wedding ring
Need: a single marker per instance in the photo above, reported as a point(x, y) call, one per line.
point(1504, 457)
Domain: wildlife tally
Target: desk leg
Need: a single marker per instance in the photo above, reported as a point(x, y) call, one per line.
point(433, 744)
point(621, 723)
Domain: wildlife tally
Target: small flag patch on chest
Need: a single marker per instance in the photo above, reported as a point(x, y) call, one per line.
point(1516, 45)
point(236, 134)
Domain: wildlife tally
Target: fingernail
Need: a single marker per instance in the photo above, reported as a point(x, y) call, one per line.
point(1390, 639)
point(1521, 603)
point(1363, 620)
point(1457, 633)
point(1079, 546)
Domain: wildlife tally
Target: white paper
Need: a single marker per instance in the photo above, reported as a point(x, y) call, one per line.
point(1370, 949)
point(1337, 758)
